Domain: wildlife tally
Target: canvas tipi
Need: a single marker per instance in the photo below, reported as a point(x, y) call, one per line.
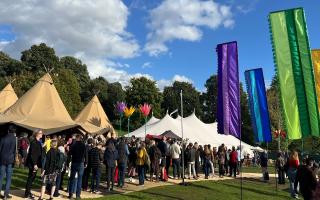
point(7, 97)
point(93, 119)
point(40, 107)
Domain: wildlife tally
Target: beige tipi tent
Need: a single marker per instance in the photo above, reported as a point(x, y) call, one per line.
point(93, 119)
point(7, 98)
point(40, 107)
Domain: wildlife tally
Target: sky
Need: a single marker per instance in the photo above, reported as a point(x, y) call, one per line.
point(164, 40)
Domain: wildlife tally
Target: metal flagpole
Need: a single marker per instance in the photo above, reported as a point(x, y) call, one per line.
point(241, 180)
point(181, 101)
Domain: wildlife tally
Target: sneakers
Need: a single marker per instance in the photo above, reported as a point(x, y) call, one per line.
point(5, 197)
point(29, 196)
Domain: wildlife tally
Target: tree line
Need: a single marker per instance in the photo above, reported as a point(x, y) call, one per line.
point(76, 88)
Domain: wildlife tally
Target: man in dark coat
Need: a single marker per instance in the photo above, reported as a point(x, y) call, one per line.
point(94, 163)
point(110, 158)
point(7, 158)
point(123, 153)
point(79, 157)
point(306, 179)
point(34, 161)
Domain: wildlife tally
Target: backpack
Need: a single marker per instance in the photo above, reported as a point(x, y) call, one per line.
point(23, 144)
point(61, 159)
point(147, 161)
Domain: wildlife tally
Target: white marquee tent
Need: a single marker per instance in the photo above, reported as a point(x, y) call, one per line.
point(194, 129)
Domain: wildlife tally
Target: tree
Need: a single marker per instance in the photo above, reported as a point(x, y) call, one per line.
point(246, 126)
point(69, 89)
point(143, 90)
point(80, 70)
point(191, 98)
point(209, 100)
point(38, 57)
point(115, 94)
point(10, 66)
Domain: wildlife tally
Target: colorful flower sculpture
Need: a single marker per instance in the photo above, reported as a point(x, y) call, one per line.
point(128, 112)
point(120, 106)
point(145, 110)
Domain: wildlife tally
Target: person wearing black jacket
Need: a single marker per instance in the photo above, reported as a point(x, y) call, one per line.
point(7, 158)
point(110, 159)
point(79, 157)
point(87, 171)
point(94, 163)
point(123, 153)
point(306, 179)
point(49, 173)
point(34, 161)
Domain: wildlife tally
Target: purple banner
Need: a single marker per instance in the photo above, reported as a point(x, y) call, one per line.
point(229, 117)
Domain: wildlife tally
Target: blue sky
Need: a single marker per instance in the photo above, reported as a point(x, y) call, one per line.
point(186, 57)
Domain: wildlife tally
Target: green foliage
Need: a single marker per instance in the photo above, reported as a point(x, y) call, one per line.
point(143, 90)
point(209, 100)
point(80, 71)
point(246, 126)
point(116, 94)
point(38, 57)
point(9, 66)
point(69, 89)
point(191, 98)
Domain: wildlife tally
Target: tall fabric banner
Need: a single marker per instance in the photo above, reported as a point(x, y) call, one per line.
point(316, 68)
point(229, 117)
point(295, 73)
point(258, 105)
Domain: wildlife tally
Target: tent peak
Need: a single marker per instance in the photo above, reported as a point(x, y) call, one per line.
point(46, 78)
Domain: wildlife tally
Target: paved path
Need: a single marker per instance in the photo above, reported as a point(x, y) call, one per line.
point(131, 187)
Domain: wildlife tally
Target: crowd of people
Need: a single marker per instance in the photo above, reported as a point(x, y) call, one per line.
point(303, 174)
point(81, 160)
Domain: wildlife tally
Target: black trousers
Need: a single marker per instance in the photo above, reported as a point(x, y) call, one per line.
point(110, 176)
point(85, 178)
point(281, 177)
point(31, 176)
point(233, 169)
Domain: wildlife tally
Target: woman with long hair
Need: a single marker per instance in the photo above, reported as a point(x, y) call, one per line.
point(292, 172)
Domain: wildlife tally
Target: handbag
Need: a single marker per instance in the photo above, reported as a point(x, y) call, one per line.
point(116, 175)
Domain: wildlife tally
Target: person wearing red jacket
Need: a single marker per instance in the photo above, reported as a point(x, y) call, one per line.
point(233, 162)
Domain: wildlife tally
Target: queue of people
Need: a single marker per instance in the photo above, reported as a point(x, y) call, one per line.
point(82, 159)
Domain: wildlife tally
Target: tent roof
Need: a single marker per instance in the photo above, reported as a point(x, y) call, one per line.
point(93, 119)
point(194, 129)
point(170, 134)
point(40, 107)
point(7, 97)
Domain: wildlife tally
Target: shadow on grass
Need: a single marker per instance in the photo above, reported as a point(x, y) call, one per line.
point(257, 191)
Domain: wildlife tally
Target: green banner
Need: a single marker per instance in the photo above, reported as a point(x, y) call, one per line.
point(295, 73)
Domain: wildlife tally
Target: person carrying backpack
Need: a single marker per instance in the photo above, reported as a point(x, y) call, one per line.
point(23, 148)
point(280, 165)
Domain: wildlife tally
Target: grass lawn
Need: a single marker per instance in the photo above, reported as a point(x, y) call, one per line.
point(227, 189)
point(253, 189)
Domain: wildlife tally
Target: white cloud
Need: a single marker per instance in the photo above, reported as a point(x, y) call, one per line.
point(182, 19)
point(91, 30)
point(95, 27)
point(162, 83)
point(146, 65)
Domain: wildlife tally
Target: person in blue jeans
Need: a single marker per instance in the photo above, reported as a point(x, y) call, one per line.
point(79, 157)
point(7, 159)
